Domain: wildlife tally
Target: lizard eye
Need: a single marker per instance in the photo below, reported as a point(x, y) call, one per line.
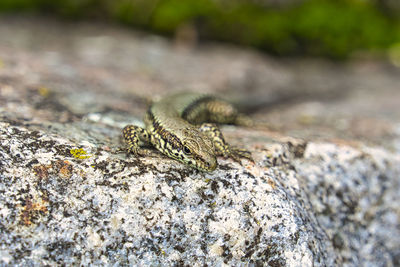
point(186, 150)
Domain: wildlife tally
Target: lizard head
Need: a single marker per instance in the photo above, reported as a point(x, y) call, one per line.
point(198, 151)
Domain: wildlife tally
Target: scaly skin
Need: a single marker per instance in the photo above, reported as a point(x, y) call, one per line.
point(172, 127)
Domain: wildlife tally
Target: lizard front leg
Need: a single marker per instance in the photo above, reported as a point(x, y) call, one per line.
point(221, 146)
point(133, 135)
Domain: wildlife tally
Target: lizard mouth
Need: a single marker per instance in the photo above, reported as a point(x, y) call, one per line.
point(208, 166)
point(200, 164)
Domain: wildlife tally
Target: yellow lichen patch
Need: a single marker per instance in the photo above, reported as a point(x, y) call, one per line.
point(79, 153)
point(32, 210)
point(1, 64)
point(44, 91)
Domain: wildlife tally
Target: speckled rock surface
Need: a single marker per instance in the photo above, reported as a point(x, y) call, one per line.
point(107, 209)
point(68, 195)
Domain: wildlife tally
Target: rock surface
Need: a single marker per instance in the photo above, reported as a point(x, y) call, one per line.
point(324, 190)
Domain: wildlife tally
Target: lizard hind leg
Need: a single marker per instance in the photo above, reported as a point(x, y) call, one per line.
point(133, 135)
point(223, 112)
point(221, 146)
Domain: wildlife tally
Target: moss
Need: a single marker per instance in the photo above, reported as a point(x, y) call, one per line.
point(130, 12)
point(249, 25)
point(333, 28)
point(317, 27)
point(170, 14)
point(337, 28)
point(7, 5)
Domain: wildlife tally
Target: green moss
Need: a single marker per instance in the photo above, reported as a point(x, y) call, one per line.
point(11, 5)
point(266, 29)
point(333, 28)
point(130, 12)
point(336, 28)
point(171, 14)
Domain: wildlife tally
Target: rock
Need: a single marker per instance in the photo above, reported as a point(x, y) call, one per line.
point(104, 208)
point(354, 195)
point(69, 194)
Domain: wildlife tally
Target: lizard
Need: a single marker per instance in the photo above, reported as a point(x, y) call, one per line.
point(183, 126)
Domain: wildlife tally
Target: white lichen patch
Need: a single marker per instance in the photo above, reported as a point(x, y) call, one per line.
point(93, 239)
point(216, 249)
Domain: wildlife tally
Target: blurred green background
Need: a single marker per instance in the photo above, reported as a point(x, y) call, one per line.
point(328, 28)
